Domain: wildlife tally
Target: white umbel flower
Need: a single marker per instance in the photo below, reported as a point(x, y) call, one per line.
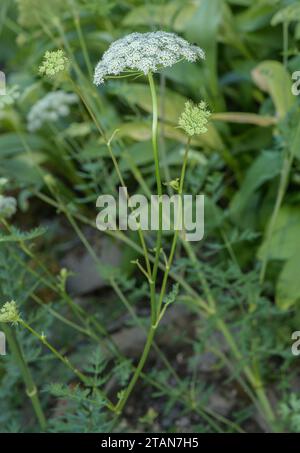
point(50, 108)
point(8, 206)
point(145, 52)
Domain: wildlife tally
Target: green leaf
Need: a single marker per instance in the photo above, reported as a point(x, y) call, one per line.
point(17, 235)
point(272, 77)
point(264, 168)
point(11, 143)
point(286, 239)
point(288, 284)
point(203, 30)
point(139, 94)
point(175, 14)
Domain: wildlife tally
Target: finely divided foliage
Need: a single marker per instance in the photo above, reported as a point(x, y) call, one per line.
point(145, 52)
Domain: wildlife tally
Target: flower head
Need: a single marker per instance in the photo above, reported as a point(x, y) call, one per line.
point(9, 313)
point(50, 108)
point(145, 52)
point(54, 62)
point(8, 206)
point(194, 118)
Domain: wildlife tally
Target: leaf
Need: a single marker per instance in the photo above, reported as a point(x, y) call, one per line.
point(295, 144)
point(141, 131)
point(188, 75)
point(203, 30)
point(18, 235)
point(265, 167)
point(288, 14)
point(175, 14)
point(20, 170)
point(11, 143)
point(172, 295)
point(139, 94)
point(285, 240)
point(272, 77)
point(245, 118)
point(288, 284)
point(256, 17)
point(137, 154)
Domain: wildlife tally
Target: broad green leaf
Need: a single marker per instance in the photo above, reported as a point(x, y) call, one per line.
point(139, 94)
point(288, 284)
point(20, 170)
point(175, 15)
point(288, 14)
point(137, 154)
point(285, 241)
point(256, 17)
point(203, 30)
point(272, 77)
point(245, 118)
point(295, 144)
point(141, 131)
point(11, 143)
point(265, 167)
point(189, 75)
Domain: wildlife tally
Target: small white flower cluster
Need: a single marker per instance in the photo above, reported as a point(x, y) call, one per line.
point(8, 206)
point(50, 108)
point(10, 97)
point(145, 52)
point(9, 313)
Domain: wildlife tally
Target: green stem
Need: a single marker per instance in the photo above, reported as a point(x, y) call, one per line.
point(31, 389)
point(138, 370)
point(152, 329)
point(279, 199)
point(285, 43)
point(157, 173)
point(176, 233)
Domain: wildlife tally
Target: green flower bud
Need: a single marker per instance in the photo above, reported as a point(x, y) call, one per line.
point(9, 313)
point(194, 118)
point(54, 63)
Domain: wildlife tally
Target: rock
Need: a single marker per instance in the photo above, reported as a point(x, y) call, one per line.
point(87, 278)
